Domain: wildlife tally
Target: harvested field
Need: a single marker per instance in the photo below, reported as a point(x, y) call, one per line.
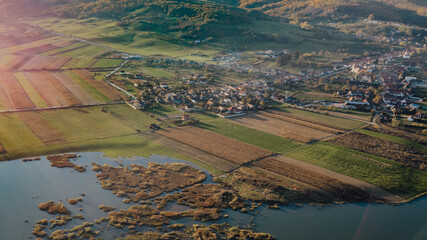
point(44, 63)
point(383, 148)
point(341, 191)
point(262, 122)
point(47, 134)
point(103, 87)
point(18, 98)
point(302, 121)
point(80, 93)
point(192, 152)
point(52, 91)
point(215, 144)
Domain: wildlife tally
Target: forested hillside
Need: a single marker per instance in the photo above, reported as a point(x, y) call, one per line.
point(405, 11)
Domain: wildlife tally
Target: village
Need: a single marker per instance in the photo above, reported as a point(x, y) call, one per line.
point(389, 86)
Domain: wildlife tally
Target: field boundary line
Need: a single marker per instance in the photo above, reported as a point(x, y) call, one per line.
point(60, 107)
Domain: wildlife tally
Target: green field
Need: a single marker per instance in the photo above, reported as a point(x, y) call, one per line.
point(261, 139)
point(394, 139)
point(336, 121)
point(63, 49)
point(85, 123)
point(100, 97)
point(15, 135)
point(107, 63)
point(79, 63)
point(89, 51)
point(128, 116)
point(164, 110)
point(112, 131)
point(389, 175)
point(107, 32)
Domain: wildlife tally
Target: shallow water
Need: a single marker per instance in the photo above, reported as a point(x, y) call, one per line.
point(25, 185)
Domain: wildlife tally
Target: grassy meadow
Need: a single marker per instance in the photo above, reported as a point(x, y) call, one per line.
point(389, 175)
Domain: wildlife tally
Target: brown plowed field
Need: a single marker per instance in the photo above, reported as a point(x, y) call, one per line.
point(215, 144)
point(338, 189)
point(103, 87)
point(80, 93)
point(383, 148)
point(280, 128)
point(15, 92)
point(192, 152)
point(44, 63)
point(52, 92)
point(47, 134)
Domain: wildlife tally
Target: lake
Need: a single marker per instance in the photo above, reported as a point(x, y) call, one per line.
point(24, 185)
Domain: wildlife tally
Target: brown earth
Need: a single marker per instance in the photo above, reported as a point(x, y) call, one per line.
point(215, 144)
point(14, 91)
point(50, 89)
point(383, 148)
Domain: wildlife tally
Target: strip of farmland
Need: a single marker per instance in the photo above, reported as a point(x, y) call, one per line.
point(192, 152)
point(215, 144)
point(18, 63)
point(280, 128)
point(52, 92)
point(47, 134)
point(103, 87)
point(67, 49)
point(44, 63)
point(338, 189)
point(40, 49)
point(15, 92)
point(302, 119)
point(80, 93)
point(383, 148)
